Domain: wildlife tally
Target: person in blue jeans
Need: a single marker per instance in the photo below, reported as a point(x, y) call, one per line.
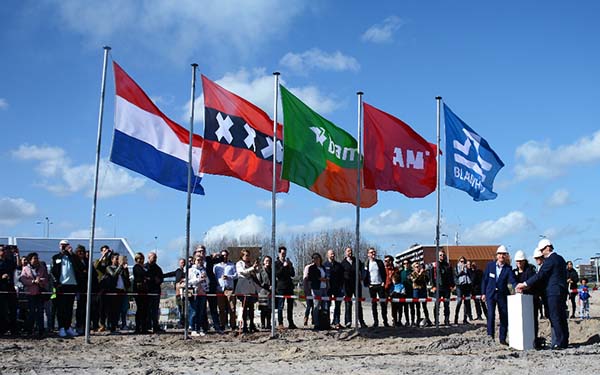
point(198, 282)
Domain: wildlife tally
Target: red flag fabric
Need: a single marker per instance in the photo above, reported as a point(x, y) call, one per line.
point(238, 139)
point(396, 157)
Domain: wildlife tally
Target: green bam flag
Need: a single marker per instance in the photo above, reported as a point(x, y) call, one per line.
point(319, 155)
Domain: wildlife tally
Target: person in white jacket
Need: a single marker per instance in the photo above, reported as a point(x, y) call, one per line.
point(247, 289)
point(198, 283)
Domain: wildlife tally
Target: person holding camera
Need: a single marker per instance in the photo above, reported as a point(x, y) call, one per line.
point(119, 274)
point(247, 289)
point(464, 286)
point(8, 296)
point(102, 300)
point(64, 270)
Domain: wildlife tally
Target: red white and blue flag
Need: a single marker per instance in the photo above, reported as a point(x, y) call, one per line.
point(148, 142)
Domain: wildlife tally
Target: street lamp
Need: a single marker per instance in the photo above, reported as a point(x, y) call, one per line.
point(596, 266)
point(156, 245)
point(48, 222)
point(114, 223)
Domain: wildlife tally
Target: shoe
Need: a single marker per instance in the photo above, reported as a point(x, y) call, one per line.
point(292, 326)
point(195, 334)
point(62, 332)
point(466, 322)
point(375, 325)
point(348, 325)
point(338, 326)
point(446, 322)
point(363, 324)
point(202, 333)
point(253, 328)
point(557, 347)
point(102, 328)
point(280, 326)
point(478, 317)
point(503, 342)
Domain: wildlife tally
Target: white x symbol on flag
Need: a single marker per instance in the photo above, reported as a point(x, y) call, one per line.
point(267, 152)
point(224, 125)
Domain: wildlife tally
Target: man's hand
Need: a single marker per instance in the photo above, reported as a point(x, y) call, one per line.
point(483, 298)
point(520, 287)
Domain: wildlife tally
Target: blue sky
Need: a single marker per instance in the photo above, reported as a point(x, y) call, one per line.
point(522, 74)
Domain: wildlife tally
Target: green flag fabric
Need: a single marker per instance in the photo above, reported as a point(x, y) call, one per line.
point(319, 155)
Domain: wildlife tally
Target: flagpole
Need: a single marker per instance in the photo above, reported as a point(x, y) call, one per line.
point(437, 224)
point(356, 256)
point(189, 204)
point(88, 306)
point(274, 202)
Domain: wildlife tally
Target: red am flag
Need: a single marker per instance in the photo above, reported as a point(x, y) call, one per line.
point(238, 139)
point(396, 157)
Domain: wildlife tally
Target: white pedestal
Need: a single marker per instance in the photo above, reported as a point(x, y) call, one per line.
point(521, 335)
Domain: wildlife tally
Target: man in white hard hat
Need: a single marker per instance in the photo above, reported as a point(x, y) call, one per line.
point(552, 274)
point(494, 286)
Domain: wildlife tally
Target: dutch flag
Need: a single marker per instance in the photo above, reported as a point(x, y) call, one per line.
point(148, 142)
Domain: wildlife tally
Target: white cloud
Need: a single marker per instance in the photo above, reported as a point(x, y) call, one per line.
point(85, 233)
point(382, 32)
point(180, 29)
point(313, 98)
point(267, 203)
point(318, 224)
point(493, 230)
point(538, 159)
point(3, 103)
point(391, 223)
point(251, 225)
point(560, 197)
point(61, 177)
point(13, 210)
point(316, 59)
point(256, 86)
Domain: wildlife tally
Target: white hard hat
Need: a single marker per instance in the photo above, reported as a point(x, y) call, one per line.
point(501, 250)
point(544, 242)
point(537, 253)
point(520, 255)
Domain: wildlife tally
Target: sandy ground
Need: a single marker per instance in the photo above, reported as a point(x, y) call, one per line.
point(450, 350)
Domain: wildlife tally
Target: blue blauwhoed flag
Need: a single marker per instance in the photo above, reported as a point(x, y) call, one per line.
point(471, 164)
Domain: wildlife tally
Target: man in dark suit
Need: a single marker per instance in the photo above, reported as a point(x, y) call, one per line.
point(496, 277)
point(349, 267)
point(375, 280)
point(552, 274)
point(335, 274)
point(65, 269)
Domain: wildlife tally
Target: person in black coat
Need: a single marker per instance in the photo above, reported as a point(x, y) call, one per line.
point(572, 281)
point(155, 280)
point(446, 285)
point(335, 275)
point(349, 268)
point(552, 274)
point(284, 285)
point(522, 272)
point(8, 297)
point(140, 289)
point(480, 307)
point(375, 276)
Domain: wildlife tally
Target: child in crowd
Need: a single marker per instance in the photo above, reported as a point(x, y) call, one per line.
point(584, 300)
point(398, 291)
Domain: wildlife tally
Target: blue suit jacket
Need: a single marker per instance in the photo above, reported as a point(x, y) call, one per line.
point(553, 274)
point(494, 286)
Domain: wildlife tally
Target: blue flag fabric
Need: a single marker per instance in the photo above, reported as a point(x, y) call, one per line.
point(471, 164)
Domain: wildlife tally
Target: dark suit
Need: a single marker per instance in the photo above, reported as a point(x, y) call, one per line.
point(350, 289)
point(495, 289)
point(553, 274)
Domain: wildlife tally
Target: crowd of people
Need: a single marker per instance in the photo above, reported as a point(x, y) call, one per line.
point(224, 295)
